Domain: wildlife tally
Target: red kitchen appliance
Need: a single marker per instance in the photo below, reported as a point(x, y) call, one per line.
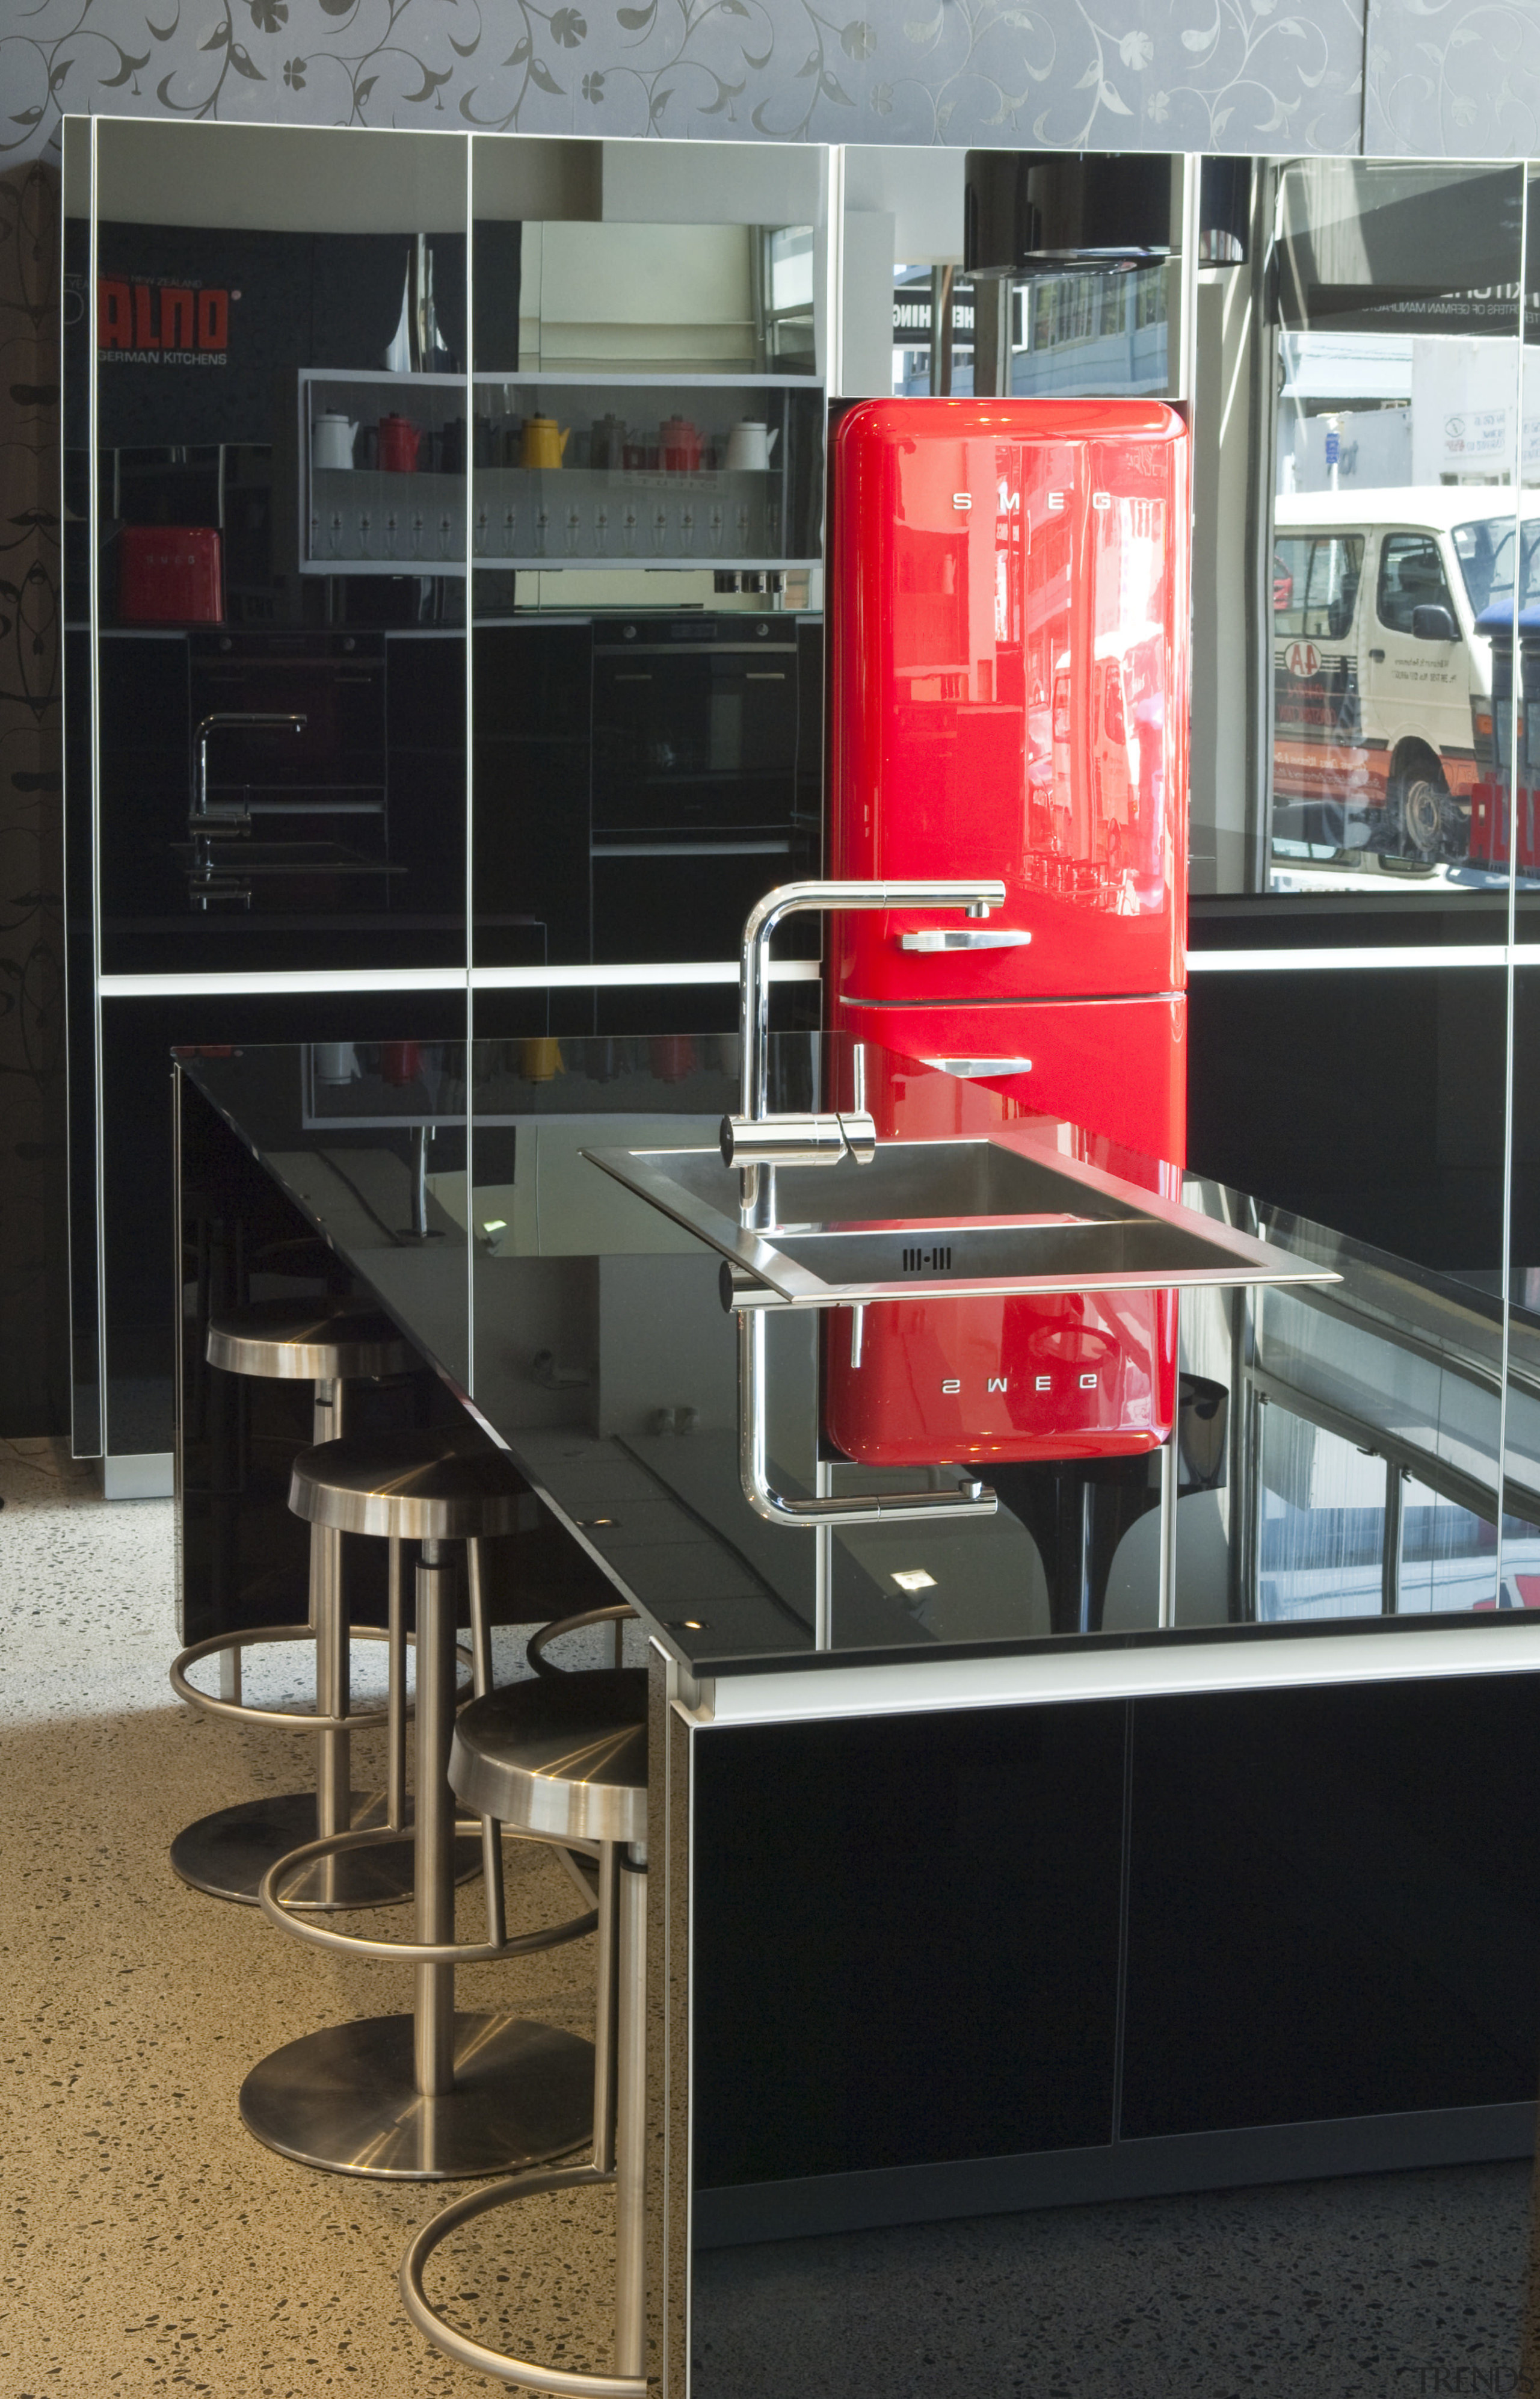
point(399, 442)
point(170, 575)
point(1008, 698)
point(1490, 829)
point(679, 445)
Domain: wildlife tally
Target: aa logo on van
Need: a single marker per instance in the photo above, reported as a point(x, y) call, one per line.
point(1303, 658)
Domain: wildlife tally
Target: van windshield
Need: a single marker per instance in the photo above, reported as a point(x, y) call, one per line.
point(1485, 552)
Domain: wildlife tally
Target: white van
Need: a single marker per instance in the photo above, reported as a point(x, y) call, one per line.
point(1377, 661)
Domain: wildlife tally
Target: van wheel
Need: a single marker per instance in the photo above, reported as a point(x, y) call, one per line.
point(1420, 807)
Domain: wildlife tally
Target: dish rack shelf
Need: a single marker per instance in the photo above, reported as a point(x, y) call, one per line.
point(642, 480)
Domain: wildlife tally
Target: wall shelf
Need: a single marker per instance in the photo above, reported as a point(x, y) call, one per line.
point(627, 511)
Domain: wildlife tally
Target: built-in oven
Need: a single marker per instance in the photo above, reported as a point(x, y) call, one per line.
point(698, 735)
point(287, 773)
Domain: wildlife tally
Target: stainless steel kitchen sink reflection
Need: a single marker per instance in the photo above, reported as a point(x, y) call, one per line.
point(951, 1219)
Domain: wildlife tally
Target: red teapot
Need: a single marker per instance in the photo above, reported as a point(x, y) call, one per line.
point(400, 440)
point(679, 445)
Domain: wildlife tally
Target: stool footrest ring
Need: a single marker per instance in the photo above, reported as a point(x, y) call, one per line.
point(566, 2382)
point(417, 1952)
point(284, 1719)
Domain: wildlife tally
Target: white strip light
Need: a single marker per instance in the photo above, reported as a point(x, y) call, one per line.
point(1474, 954)
point(714, 970)
point(237, 985)
point(1156, 1671)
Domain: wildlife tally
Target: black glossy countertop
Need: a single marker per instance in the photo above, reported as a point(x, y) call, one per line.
point(586, 1333)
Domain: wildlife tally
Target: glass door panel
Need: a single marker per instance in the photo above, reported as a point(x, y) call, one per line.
point(280, 537)
point(1397, 455)
point(646, 551)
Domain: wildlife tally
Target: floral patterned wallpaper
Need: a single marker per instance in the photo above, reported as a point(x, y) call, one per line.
point(1453, 79)
point(1168, 75)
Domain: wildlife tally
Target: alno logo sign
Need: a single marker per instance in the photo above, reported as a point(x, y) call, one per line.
point(157, 322)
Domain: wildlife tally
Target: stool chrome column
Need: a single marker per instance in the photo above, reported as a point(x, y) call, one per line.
point(433, 2095)
point(227, 1853)
point(568, 1757)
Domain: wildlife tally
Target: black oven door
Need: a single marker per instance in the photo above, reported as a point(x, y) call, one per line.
point(695, 785)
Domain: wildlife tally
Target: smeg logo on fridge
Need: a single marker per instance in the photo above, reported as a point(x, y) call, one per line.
point(1085, 1380)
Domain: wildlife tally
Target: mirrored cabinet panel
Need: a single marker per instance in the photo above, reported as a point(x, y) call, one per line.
point(1399, 452)
point(646, 551)
point(279, 667)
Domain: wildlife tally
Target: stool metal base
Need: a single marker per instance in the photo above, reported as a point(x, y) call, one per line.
point(226, 1856)
point(345, 2100)
point(524, 2373)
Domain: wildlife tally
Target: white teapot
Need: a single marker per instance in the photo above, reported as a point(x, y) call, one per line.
point(749, 444)
point(331, 438)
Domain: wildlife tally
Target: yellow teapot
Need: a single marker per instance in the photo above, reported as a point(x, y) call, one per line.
point(543, 444)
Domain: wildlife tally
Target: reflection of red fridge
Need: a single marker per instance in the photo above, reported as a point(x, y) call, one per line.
point(1009, 635)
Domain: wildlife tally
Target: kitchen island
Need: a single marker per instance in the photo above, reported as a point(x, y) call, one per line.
point(974, 1886)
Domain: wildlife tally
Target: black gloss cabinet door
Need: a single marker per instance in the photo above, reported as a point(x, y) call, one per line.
point(426, 762)
point(699, 737)
point(532, 690)
point(905, 1939)
point(342, 752)
point(145, 709)
point(1334, 1905)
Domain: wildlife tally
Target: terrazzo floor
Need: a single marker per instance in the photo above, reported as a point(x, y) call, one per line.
point(1374, 2287)
point(155, 2247)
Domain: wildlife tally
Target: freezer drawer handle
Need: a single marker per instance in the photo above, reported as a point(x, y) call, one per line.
point(963, 941)
point(978, 1070)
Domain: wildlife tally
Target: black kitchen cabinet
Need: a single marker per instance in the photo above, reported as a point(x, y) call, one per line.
point(1334, 1910)
point(145, 704)
point(885, 1974)
point(426, 768)
point(963, 1960)
point(533, 772)
point(698, 739)
point(353, 850)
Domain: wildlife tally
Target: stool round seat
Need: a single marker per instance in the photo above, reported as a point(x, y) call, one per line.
point(414, 1486)
point(566, 1754)
point(303, 1341)
point(438, 2096)
point(332, 1343)
point(562, 1757)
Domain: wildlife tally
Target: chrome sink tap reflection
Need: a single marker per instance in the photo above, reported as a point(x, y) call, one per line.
point(755, 1142)
point(207, 881)
point(809, 1211)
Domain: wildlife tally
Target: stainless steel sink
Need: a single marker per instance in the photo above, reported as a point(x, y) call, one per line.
point(947, 1219)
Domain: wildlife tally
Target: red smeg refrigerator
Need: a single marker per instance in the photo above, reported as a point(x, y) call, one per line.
point(1008, 638)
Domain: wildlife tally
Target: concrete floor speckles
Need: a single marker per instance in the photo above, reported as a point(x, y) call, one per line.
point(1374, 2287)
point(156, 2248)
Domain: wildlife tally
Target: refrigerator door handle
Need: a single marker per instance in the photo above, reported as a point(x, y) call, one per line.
point(962, 940)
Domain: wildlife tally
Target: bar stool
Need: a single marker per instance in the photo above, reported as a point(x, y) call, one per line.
point(227, 1853)
point(568, 1757)
point(431, 2096)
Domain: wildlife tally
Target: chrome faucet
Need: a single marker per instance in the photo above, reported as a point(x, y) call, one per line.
point(205, 882)
point(756, 1142)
